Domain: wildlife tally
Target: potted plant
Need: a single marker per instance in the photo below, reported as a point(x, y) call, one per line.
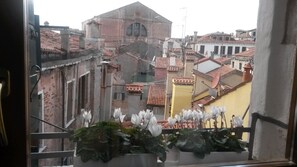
point(137, 142)
point(197, 144)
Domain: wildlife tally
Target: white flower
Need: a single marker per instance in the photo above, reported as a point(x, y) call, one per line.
point(177, 117)
point(187, 114)
point(153, 120)
point(141, 114)
point(215, 112)
point(135, 119)
point(196, 115)
point(155, 129)
point(222, 109)
point(118, 116)
point(237, 121)
point(117, 113)
point(148, 115)
point(87, 116)
point(122, 118)
point(171, 121)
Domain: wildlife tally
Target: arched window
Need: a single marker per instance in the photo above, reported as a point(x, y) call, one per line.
point(136, 29)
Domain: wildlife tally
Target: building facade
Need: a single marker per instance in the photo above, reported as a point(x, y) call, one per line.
point(133, 22)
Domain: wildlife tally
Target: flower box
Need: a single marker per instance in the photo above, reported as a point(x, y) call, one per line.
point(129, 160)
point(188, 158)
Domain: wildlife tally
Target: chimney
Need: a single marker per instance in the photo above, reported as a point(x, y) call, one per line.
point(134, 98)
point(82, 41)
point(92, 30)
point(247, 75)
point(195, 36)
point(65, 40)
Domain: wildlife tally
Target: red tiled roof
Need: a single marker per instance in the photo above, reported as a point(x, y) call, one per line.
point(156, 95)
point(208, 39)
point(223, 70)
point(136, 88)
point(164, 62)
point(208, 99)
point(183, 81)
point(50, 41)
point(205, 59)
point(248, 53)
point(222, 60)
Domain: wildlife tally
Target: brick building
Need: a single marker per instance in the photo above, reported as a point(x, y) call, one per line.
point(68, 82)
point(130, 23)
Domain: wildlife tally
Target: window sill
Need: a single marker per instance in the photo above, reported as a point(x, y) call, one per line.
point(253, 163)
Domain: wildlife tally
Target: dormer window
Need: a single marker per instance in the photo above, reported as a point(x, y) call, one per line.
point(136, 29)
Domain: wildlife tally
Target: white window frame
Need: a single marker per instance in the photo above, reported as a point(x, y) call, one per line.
point(66, 103)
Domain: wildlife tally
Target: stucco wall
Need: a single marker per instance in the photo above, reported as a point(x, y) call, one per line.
point(272, 82)
point(181, 98)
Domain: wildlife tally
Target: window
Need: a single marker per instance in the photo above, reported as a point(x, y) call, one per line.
point(83, 92)
point(136, 29)
point(222, 52)
point(70, 97)
point(230, 49)
point(243, 49)
point(119, 96)
point(201, 49)
point(216, 50)
point(240, 66)
point(140, 33)
point(232, 64)
point(237, 49)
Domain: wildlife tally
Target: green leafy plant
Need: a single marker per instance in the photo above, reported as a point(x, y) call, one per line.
point(108, 139)
point(202, 141)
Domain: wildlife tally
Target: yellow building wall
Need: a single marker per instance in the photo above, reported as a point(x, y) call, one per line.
point(200, 87)
point(181, 98)
point(236, 103)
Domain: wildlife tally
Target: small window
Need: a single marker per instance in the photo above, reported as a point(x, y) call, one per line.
point(243, 49)
point(119, 96)
point(216, 50)
point(232, 64)
point(230, 49)
point(83, 92)
point(237, 49)
point(240, 66)
point(70, 94)
point(222, 52)
point(202, 47)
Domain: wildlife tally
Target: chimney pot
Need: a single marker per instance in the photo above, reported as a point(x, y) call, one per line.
point(247, 76)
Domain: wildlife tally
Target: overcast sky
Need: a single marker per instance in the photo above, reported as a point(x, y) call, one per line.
point(187, 16)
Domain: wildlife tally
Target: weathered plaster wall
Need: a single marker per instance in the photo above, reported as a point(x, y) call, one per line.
point(272, 82)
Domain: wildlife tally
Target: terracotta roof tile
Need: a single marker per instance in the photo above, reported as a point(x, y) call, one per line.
point(208, 39)
point(223, 60)
point(248, 53)
point(223, 70)
point(156, 95)
point(164, 62)
point(50, 41)
point(183, 81)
